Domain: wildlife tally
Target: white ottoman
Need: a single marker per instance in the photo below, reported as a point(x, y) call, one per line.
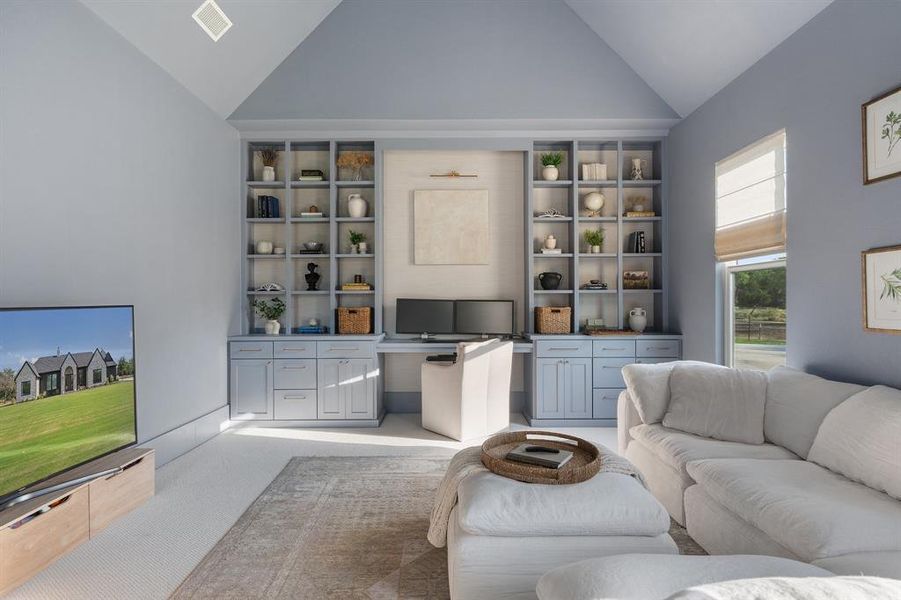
point(504, 534)
point(655, 577)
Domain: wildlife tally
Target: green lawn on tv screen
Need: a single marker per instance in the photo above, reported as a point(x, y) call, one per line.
point(41, 437)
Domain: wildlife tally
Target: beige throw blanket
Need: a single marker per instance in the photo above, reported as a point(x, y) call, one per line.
point(468, 461)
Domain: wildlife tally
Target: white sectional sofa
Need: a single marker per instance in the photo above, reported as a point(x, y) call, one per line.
point(783, 464)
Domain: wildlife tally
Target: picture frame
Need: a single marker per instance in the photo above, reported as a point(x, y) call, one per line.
point(881, 137)
point(881, 289)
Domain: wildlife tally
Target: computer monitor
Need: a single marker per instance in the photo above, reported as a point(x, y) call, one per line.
point(424, 316)
point(484, 317)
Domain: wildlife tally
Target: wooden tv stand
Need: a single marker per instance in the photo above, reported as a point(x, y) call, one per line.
point(36, 532)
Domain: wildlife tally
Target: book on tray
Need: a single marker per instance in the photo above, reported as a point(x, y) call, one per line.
point(534, 453)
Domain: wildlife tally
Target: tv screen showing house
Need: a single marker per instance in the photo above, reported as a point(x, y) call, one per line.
point(67, 389)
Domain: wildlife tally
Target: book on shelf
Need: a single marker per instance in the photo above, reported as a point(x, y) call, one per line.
point(637, 242)
point(640, 213)
point(311, 329)
point(552, 251)
point(310, 178)
point(356, 287)
point(594, 172)
point(268, 207)
point(311, 215)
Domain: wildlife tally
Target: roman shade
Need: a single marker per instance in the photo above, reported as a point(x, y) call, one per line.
point(750, 201)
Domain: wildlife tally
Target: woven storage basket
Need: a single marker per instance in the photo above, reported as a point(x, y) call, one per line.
point(356, 321)
point(553, 319)
point(585, 463)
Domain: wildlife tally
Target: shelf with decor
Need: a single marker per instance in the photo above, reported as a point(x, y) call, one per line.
point(308, 177)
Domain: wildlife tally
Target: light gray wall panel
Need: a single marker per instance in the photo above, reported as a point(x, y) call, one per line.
point(812, 85)
point(118, 186)
point(466, 59)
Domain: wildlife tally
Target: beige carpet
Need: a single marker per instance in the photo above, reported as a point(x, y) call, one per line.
point(337, 527)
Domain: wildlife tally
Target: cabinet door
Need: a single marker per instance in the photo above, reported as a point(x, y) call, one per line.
point(550, 374)
point(578, 395)
point(330, 396)
point(250, 389)
point(358, 386)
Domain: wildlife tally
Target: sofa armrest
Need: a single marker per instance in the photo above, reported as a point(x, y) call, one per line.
point(626, 418)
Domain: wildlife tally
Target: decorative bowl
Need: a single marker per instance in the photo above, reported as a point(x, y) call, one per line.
point(314, 246)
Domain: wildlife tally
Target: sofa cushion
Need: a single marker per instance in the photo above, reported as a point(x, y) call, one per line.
point(875, 564)
point(648, 384)
point(716, 402)
point(861, 439)
point(644, 576)
point(795, 588)
point(796, 404)
point(606, 504)
point(677, 448)
point(810, 510)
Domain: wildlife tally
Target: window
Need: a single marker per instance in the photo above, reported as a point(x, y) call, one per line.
point(750, 241)
point(97, 376)
point(26, 388)
point(52, 383)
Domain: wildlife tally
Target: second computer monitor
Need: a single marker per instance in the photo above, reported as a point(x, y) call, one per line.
point(484, 317)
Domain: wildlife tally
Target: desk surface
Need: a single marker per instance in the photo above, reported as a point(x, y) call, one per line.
point(413, 346)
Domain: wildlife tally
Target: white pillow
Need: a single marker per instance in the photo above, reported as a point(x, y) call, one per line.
point(717, 402)
point(861, 439)
point(649, 387)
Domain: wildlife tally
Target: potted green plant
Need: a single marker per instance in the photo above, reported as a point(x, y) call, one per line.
point(358, 242)
point(550, 161)
point(595, 240)
point(270, 310)
point(269, 158)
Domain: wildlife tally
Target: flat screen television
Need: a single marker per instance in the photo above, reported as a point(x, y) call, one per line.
point(67, 391)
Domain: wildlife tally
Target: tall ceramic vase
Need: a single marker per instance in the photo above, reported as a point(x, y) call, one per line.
point(272, 327)
point(268, 173)
point(638, 320)
point(357, 206)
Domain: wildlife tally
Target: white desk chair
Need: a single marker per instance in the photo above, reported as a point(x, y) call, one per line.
point(468, 398)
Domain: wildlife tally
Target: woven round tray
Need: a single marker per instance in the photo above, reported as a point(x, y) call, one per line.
point(585, 463)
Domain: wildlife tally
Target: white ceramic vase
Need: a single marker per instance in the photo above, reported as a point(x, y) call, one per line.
point(595, 250)
point(550, 173)
point(550, 242)
point(357, 207)
point(272, 327)
point(264, 247)
point(638, 320)
point(363, 248)
point(268, 173)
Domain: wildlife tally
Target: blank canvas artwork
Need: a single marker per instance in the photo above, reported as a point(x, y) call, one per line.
point(450, 227)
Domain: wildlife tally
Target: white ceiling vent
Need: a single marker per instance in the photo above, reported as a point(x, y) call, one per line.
point(212, 20)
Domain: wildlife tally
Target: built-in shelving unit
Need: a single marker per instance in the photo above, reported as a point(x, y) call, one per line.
point(336, 261)
point(577, 265)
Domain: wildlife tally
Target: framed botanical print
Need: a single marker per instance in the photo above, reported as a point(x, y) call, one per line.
point(881, 122)
point(882, 289)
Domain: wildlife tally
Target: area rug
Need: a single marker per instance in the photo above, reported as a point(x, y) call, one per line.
point(335, 527)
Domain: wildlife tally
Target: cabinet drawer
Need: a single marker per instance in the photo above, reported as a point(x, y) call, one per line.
point(345, 349)
point(653, 361)
point(295, 404)
point(563, 347)
point(295, 374)
point(295, 349)
point(30, 547)
point(604, 403)
point(112, 497)
point(608, 372)
point(614, 348)
point(251, 349)
point(657, 349)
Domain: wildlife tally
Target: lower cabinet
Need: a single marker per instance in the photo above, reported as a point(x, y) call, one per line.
point(251, 388)
point(346, 388)
point(564, 388)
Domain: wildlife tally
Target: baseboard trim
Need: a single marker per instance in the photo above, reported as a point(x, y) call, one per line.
point(311, 423)
point(184, 438)
point(570, 422)
point(411, 402)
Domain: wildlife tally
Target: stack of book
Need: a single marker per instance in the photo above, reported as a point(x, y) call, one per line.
point(268, 207)
point(594, 286)
point(639, 213)
point(310, 215)
point(355, 287)
point(637, 242)
point(311, 175)
point(594, 172)
point(311, 329)
point(552, 251)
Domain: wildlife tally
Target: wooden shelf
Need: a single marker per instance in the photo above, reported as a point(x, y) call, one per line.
point(359, 184)
point(302, 256)
point(561, 255)
point(540, 183)
point(552, 219)
point(264, 220)
point(355, 219)
point(370, 255)
point(310, 293)
point(641, 219)
point(597, 255)
point(266, 256)
point(548, 292)
point(260, 293)
point(598, 291)
point(650, 291)
point(310, 184)
point(310, 219)
point(274, 185)
point(598, 183)
point(643, 183)
point(355, 292)
point(597, 219)
point(642, 254)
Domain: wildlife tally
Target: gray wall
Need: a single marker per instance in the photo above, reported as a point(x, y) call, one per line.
point(812, 85)
point(466, 59)
point(107, 162)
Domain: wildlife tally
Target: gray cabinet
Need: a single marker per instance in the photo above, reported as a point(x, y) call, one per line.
point(346, 388)
point(250, 388)
point(564, 388)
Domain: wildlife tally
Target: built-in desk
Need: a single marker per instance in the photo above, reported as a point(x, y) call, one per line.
point(415, 346)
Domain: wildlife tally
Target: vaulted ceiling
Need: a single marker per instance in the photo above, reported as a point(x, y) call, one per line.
point(685, 50)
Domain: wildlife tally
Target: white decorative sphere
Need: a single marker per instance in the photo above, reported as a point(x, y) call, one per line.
point(594, 201)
